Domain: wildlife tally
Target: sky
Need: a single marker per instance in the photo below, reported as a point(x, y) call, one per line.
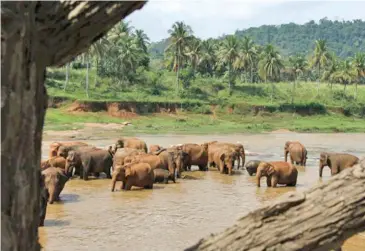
point(213, 18)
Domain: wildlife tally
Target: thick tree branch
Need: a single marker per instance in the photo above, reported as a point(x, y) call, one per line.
point(317, 220)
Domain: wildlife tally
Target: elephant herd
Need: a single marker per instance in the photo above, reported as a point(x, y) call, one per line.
point(134, 165)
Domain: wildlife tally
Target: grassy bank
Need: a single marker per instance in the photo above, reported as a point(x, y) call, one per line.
point(60, 119)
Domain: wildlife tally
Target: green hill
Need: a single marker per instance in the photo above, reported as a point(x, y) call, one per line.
point(345, 38)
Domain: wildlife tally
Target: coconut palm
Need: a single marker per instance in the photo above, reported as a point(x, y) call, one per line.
point(228, 53)
point(358, 63)
point(129, 54)
point(321, 57)
point(247, 57)
point(180, 36)
point(194, 50)
point(208, 56)
point(142, 41)
point(270, 65)
point(298, 65)
point(345, 74)
point(120, 30)
point(330, 69)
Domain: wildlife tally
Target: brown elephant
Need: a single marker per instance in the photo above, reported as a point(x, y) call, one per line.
point(197, 155)
point(92, 161)
point(131, 143)
point(213, 146)
point(54, 179)
point(336, 162)
point(297, 152)
point(277, 172)
point(53, 148)
point(225, 159)
point(43, 200)
point(63, 150)
point(121, 154)
point(57, 161)
point(154, 148)
point(133, 174)
point(162, 176)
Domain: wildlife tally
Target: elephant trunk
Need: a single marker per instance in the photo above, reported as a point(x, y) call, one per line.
point(320, 169)
point(243, 156)
point(52, 193)
point(258, 178)
point(286, 155)
point(114, 180)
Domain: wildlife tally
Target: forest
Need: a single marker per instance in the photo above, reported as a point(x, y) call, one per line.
point(232, 69)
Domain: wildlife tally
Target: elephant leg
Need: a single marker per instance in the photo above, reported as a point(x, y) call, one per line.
point(166, 180)
point(291, 159)
point(127, 186)
point(268, 181)
point(108, 174)
point(320, 171)
point(96, 175)
point(334, 169)
point(274, 181)
point(122, 186)
point(85, 174)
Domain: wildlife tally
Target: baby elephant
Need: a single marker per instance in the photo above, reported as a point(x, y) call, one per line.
point(162, 176)
point(133, 174)
point(54, 181)
point(251, 166)
point(277, 172)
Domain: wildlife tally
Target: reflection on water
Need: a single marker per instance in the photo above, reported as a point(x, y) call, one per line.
point(175, 216)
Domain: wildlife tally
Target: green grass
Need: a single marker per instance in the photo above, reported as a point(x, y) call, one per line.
point(206, 90)
point(188, 123)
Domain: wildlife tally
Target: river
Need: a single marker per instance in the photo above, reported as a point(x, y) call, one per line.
point(175, 216)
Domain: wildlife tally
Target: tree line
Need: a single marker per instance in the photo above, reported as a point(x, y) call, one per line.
point(123, 55)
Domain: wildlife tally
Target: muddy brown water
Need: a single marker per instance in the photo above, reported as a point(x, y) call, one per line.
point(175, 216)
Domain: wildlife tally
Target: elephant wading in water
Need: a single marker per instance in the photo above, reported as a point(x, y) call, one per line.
point(53, 148)
point(251, 166)
point(214, 146)
point(57, 161)
point(154, 148)
point(336, 162)
point(131, 143)
point(133, 174)
point(198, 155)
point(161, 175)
point(93, 161)
point(121, 154)
point(225, 159)
point(297, 152)
point(277, 172)
point(54, 181)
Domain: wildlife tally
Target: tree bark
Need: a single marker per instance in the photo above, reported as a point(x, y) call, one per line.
point(36, 35)
point(317, 220)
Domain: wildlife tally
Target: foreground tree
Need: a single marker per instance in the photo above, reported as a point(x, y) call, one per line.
point(36, 35)
point(319, 219)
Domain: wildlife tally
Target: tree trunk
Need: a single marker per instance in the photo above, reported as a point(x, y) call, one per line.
point(319, 219)
point(87, 77)
point(251, 74)
point(29, 29)
point(67, 76)
point(177, 73)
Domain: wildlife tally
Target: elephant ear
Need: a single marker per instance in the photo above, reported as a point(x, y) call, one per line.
point(129, 171)
point(270, 169)
point(222, 156)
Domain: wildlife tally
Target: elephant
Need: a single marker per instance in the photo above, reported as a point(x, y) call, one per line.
point(122, 153)
point(336, 162)
point(63, 150)
point(298, 153)
point(53, 148)
point(277, 172)
point(131, 143)
point(133, 174)
point(162, 175)
point(154, 148)
point(215, 145)
point(225, 159)
point(57, 161)
point(198, 155)
point(54, 179)
point(93, 161)
point(161, 159)
point(251, 166)
point(43, 200)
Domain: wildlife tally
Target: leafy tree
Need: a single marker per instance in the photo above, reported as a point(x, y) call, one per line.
point(298, 65)
point(180, 37)
point(194, 53)
point(142, 42)
point(321, 57)
point(247, 56)
point(208, 58)
point(359, 65)
point(228, 53)
point(345, 74)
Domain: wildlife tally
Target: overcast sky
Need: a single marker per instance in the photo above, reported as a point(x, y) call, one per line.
point(213, 18)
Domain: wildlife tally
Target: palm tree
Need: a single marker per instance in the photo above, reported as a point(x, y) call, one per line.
point(345, 74)
point(359, 66)
point(180, 36)
point(194, 53)
point(120, 30)
point(208, 56)
point(298, 64)
point(330, 69)
point(321, 57)
point(142, 41)
point(270, 65)
point(228, 53)
point(247, 57)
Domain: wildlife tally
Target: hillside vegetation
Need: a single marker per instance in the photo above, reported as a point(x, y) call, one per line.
point(235, 75)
